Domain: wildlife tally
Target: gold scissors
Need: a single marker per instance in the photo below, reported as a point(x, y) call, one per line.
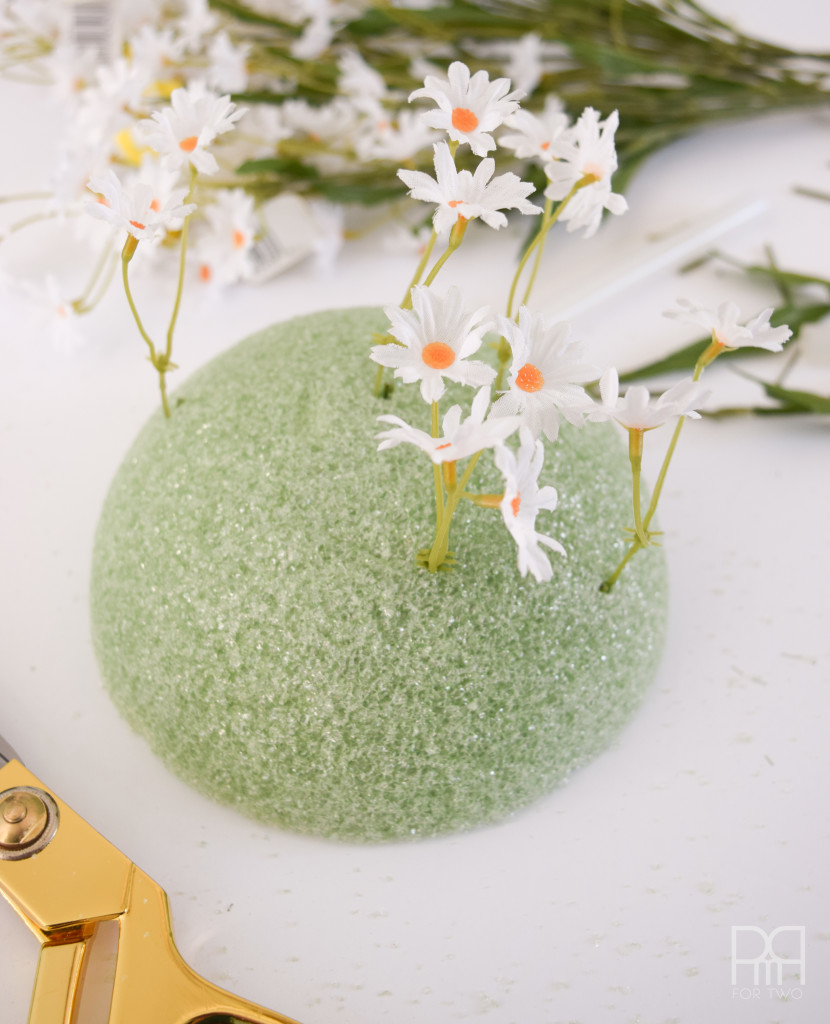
point(64, 880)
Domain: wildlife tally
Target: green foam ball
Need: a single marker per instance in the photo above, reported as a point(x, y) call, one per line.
point(258, 614)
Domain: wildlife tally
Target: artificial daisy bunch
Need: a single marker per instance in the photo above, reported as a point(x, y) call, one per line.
point(432, 338)
point(155, 206)
point(542, 371)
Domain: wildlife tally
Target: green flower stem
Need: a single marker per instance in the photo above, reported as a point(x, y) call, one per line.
point(407, 302)
point(82, 304)
point(540, 248)
point(25, 196)
point(127, 254)
point(607, 584)
point(711, 352)
point(547, 224)
point(436, 473)
point(635, 455)
point(455, 240)
point(182, 261)
point(442, 534)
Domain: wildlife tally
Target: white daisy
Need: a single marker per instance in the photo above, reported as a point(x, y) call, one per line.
point(469, 108)
point(436, 337)
point(462, 194)
point(546, 373)
point(137, 209)
point(535, 134)
point(223, 249)
point(524, 63)
point(523, 500)
point(360, 82)
point(194, 23)
point(587, 150)
point(396, 139)
point(228, 70)
point(723, 325)
point(460, 438)
point(183, 131)
point(637, 411)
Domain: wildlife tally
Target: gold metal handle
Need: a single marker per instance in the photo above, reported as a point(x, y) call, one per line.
point(64, 880)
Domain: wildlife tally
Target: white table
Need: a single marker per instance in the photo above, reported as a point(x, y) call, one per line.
point(613, 899)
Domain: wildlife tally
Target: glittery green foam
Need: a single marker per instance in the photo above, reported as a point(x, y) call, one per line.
point(259, 617)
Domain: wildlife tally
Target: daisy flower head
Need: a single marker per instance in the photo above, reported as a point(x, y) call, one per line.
point(467, 195)
point(436, 338)
point(223, 248)
point(460, 439)
point(637, 411)
point(534, 135)
point(137, 210)
point(523, 500)
point(469, 107)
point(586, 151)
point(546, 375)
point(726, 332)
point(183, 131)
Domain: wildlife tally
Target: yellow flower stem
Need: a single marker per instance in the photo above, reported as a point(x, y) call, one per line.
point(442, 534)
point(485, 500)
point(378, 381)
point(407, 302)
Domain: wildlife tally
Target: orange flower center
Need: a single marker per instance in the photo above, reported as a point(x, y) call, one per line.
point(239, 239)
point(464, 120)
point(439, 447)
point(189, 144)
point(438, 355)
point(455, 202)
point(138, 224)
point(545, 145)
point(529, 378)
point(515, 504)
point(204, 272)
point(155, 206)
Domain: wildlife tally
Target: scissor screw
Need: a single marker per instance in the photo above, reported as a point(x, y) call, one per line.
point(28, 821)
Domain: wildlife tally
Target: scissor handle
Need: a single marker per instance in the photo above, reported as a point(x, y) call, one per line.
point(64, 879)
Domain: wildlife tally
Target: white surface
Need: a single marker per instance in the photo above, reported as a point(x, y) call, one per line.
point(614, 898)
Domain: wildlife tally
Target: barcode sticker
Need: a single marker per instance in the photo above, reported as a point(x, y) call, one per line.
point(92, 28)
point(288, 236)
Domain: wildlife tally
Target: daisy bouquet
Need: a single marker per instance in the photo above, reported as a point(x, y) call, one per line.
point(542, 372)
point(325, 83)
